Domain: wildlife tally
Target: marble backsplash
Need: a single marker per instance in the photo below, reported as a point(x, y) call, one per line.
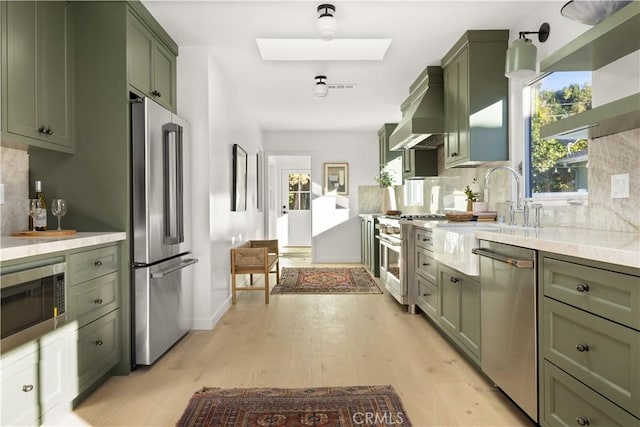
point(609, 155)
point(14, 174)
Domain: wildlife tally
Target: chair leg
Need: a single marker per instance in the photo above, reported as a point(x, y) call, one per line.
point(277, 271)
point(233, 288)
point(251, 279)
point(266, 287)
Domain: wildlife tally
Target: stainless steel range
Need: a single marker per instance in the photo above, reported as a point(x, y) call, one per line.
point(396, 259)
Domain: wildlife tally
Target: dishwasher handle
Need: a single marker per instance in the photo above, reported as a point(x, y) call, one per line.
point(518, 263)
point(163, 273)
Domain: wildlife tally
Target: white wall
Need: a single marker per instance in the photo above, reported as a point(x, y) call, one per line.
point(217, 121)
point(335, 221)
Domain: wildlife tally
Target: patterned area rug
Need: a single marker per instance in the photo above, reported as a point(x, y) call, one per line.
point(325, 406)
point(346, 280)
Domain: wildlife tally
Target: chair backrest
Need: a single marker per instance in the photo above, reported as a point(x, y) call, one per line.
point(271, 245)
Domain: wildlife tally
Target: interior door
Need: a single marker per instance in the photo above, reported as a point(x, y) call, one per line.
point(295, 207)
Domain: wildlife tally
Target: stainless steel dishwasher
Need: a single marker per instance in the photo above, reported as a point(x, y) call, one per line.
point(508, 321)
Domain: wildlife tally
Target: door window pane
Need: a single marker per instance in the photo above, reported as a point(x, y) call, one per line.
point(299, 191)
point(556, 165)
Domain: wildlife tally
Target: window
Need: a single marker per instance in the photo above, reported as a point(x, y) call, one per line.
point(413, 192)
point(299, 191)
point(556, 167)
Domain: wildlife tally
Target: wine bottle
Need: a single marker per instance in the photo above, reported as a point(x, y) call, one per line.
point(40, 221)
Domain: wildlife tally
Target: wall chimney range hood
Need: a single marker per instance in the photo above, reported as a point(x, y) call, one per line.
point(422, 113)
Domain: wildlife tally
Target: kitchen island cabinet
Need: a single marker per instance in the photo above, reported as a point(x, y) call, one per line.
point(425, 281)
point(37, 105)
point(476, 96)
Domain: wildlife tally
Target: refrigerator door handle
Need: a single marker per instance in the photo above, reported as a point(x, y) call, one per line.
point(173, 191)
point(163, 273)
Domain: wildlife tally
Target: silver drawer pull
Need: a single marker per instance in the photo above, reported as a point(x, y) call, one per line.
point(98, 263)
point(97, 301)
point(426, 240)
point(454, 280)
point(426, 264)
point(99, 342)
point(582, 348)
point(581, 287)
point(27, 388)
point(582, 421)
point(426, 294)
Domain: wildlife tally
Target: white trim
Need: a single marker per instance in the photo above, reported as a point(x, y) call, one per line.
point(206, 324)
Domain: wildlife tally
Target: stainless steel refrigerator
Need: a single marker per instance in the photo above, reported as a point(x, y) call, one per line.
point(161, 247)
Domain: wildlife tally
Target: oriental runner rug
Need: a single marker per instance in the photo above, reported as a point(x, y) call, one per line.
point(377, 405)
point(321, 280)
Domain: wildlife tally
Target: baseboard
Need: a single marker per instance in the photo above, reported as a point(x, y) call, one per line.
point(209, 323)
point(338, 261)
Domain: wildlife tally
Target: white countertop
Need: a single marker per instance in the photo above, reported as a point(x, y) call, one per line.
point(614, 247)
point(20, 247)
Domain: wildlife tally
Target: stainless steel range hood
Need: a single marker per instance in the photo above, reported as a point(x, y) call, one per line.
point(422, 112)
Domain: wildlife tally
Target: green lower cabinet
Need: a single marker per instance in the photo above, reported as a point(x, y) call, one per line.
point(459, 309)
point(98, 349)
point(568, 402)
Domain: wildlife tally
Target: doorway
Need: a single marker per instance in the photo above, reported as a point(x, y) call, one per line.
point(289, 193)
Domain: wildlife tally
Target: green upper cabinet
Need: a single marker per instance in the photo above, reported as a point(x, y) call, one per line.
point(391, 160)
point(151, 65)
point(476, 99)
point(37, 108)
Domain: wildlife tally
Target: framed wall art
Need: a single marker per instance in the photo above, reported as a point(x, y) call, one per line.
point(336, 178)
point(239, 190)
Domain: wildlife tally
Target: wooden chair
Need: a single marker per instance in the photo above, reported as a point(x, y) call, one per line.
point(254, 257)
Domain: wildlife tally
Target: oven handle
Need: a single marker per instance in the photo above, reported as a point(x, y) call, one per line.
point(518, 263)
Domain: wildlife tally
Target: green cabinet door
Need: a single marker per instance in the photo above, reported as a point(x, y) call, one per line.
point(164, 77)
point(470, 315)
point(139, 53)
point(38, 73)
point(390, 160)
point(449, 300)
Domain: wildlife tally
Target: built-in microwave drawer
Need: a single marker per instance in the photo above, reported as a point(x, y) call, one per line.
point(602, 354)
point(98, 348)
point(91, 264)
point(94, 298)
point(424, 238)
point(426, 264)
point(609, 294)
point(568, 402)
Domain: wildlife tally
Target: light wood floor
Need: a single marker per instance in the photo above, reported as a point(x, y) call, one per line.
point(306, 341)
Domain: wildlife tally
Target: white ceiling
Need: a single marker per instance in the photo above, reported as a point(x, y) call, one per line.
point(280, 93)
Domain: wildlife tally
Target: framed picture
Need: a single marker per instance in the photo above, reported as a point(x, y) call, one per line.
point(239, 190)
point(336, 178)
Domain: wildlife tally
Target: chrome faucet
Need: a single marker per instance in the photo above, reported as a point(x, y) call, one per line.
point(518, 203)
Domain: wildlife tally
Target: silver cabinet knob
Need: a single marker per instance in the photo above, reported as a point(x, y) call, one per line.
point(156, 93)
point(97, 301)
point(99, 342)
point(581, 287)
point(454, 280)
point(27, 388)
point(49, 131)
point(98, 263)
point(582, 421)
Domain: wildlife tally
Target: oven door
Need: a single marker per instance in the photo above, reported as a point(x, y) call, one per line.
point(390, 263)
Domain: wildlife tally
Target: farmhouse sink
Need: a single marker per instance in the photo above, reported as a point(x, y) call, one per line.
point(452, 245)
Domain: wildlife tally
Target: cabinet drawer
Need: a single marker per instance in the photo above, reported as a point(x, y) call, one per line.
point(600, 353)
point(88, 265)
point(427, 296)
point(426, 264)
point(98, 348)
point(612, 295)
point(568, 402)
point(94, 298)
point(424, 239)
point(19, 384)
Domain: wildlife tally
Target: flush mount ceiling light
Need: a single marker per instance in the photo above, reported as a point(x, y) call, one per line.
point(326, 25)
point(321, 89)
point(522, 55)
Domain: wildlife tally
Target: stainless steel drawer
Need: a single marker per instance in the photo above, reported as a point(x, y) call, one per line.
point(602, 354)
point(83, 266)
point(98, 348)
point(424, 238)
point(615, 296)
point(427, 296)
point(94, 298)
point(568, 402)
point(426, 264)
